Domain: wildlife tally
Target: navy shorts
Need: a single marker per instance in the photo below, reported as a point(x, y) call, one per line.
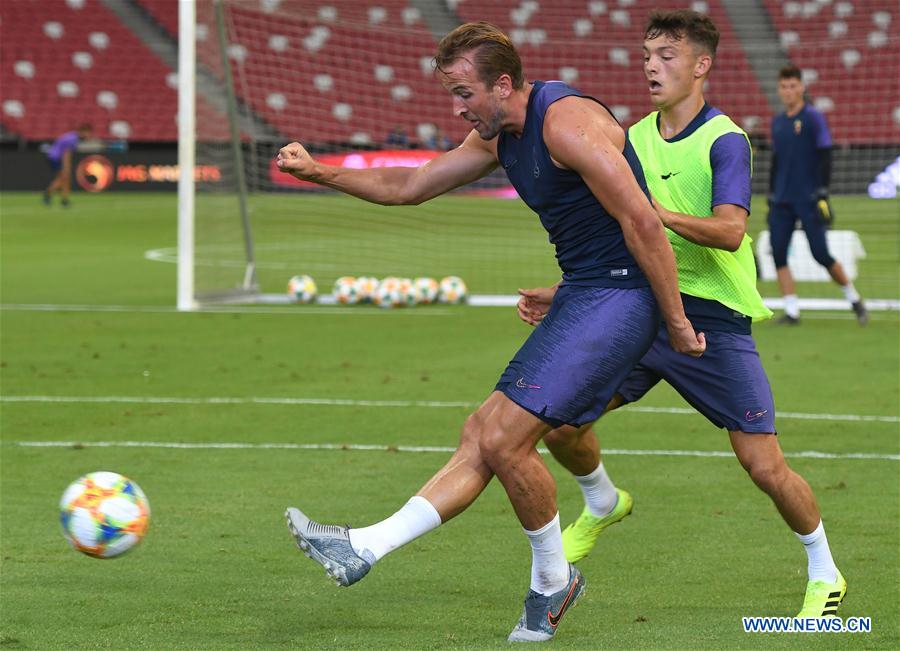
point(55, 164)
point(569, 368)
point(727, 384)
point(782, 220)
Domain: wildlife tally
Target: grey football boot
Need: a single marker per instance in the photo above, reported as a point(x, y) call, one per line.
point(543, 613)
point(329, 546)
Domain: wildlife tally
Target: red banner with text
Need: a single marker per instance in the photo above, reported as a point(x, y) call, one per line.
point(358, 161)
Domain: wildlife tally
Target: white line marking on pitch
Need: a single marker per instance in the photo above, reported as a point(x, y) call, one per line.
point(875, 306)
point(287, 310)
point(431, 404)
point(812, 454)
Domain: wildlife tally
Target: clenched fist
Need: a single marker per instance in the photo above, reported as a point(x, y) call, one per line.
point(296, 161)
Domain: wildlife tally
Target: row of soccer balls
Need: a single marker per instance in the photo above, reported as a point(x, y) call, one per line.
point(387, 292)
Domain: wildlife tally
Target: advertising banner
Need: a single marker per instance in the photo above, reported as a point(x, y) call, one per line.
point(114, 171)
point(358, 161)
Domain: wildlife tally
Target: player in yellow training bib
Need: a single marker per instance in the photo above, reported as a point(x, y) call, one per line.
point(697, 163)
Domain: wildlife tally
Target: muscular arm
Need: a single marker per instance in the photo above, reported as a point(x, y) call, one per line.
point(396, 185)
point(724, 229)
point(581, 136)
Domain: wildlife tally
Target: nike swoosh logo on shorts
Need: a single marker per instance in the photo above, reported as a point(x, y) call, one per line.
point(750, 416)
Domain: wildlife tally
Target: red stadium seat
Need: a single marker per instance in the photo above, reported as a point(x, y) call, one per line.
point(302, 69)
point(112, 59)
point(600, 43)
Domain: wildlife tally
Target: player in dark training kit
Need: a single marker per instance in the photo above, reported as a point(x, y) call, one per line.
point(798, 191)
point(567, 157)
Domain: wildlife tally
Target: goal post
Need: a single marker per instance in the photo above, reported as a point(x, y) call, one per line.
point(215, 242)
point(186, 135)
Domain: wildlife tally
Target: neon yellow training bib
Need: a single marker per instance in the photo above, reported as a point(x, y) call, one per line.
point(679, 176)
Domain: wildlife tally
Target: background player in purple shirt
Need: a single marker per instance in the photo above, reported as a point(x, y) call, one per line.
point(798, 190)
point(59, 156)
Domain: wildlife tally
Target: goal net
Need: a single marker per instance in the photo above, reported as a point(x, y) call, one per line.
point(352, 80)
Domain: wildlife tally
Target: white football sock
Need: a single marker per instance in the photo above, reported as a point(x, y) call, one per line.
point(821, 565)
point(417, 517)
point(792, 306)
point(549, 568)
point(850, 292)
point(599, 493)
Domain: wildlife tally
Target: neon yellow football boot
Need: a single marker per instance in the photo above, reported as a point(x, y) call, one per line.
point(822, 598)
point(580, 536)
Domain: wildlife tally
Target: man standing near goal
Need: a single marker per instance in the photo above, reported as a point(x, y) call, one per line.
point(798, 190)
point(698, 166)
point(569, 160)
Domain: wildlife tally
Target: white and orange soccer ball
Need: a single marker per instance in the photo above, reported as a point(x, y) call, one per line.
point(428, 289)
point(388, 293)
point(453, 290)
point(104, 514)
point(302, 289)
point(366, 286)
point(409, 293)
point(346, 291)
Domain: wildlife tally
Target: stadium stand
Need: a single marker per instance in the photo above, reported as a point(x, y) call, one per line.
point(75, 57)
point(320, 48)
point(70, 61)
point(325, 51)
point(595, 46)
point(833, 43)
point(332, 46)
point(319, 54)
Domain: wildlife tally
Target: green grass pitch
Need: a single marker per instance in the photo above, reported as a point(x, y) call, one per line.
point(218, 569)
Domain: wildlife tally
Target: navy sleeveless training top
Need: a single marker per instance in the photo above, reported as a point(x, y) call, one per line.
point(590, 246)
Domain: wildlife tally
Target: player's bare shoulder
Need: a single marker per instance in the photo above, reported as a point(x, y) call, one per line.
point(576, 122)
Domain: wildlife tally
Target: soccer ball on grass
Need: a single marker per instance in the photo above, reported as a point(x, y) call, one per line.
point(366, 286)
point(409, 293)
point(453, 290)
point(302, 289)
point(104, 514)
point(389, 293)
point(346, 290)
point(428, 289)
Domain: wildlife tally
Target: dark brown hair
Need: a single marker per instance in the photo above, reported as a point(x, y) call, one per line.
point(684, 23)
point(790, 72)
point(493, 54)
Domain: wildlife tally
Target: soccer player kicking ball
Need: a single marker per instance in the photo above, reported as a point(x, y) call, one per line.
point(569, 160)
point(698, 163)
